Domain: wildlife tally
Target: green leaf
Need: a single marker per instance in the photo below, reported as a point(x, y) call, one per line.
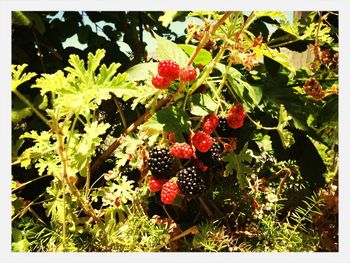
point(271, 14)
point(20, 246)
point(264, 142)
point(286, 136)
point(239, 163)
point(250, 94)
point(87, 145)
point(20, 18)
point(141, 71)
point(20, 111)
point(167, 18)
point(17, 77)
point(170, 119)
point(277, 56)
point(169, 50)
point(329, 111)
point(36, 21)
point(203, 57)
point(202, 104)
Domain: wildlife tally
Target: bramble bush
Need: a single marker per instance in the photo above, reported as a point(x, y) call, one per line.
point(218, 145)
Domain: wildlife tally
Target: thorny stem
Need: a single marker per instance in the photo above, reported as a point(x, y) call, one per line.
point(73, 189)
point(63, 157)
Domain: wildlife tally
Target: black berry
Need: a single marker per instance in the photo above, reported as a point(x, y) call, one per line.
point(223, 129)
point(159, 162)
point(213, 156)
point(191, 182)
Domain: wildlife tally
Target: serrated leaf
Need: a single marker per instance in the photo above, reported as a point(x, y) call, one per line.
point(264, 142)
point(141, 71)
point(239, 163)
point(204, 57)
point(18, 77)
point(169, 50)
point(170, 119)
point(202, 104)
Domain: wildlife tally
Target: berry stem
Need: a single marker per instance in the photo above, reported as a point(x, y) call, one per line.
point(206, 208)
point(121, 112)
point(29, 104)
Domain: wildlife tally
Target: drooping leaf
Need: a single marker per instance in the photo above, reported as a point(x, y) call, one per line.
point(169, 119)
point(169, 50)
point(141, 71)
point(203, 57)
point(277, 56)
point(202, 104)
point(251, 94)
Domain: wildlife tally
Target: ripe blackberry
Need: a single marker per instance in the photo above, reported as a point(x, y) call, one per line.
point(213, 156)
point(159, 162)
point(223, 129)
point(191, 182)
point(168, 69)
point(169, 191)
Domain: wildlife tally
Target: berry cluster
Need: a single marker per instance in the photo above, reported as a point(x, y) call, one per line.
point(202, 151)
point(169, 70)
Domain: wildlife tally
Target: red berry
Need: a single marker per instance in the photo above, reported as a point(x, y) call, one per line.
point(160, 82)
point(181, 150)
point(188, 74)
point(210, 123)
point(168, 69)
point(239, 110)
point(234, 120)
point(169, 191)
point(155, 184)
point(202, 141)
